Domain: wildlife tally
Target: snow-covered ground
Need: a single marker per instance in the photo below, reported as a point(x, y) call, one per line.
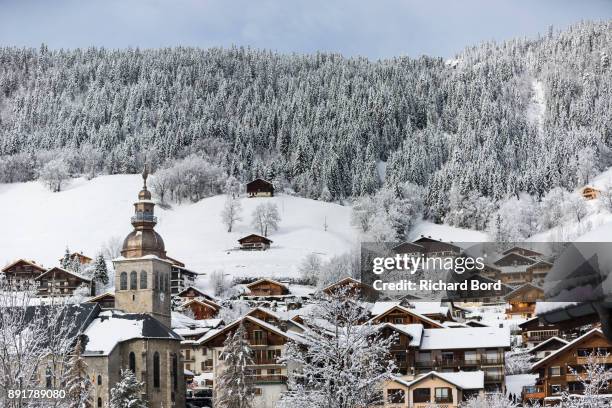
point(447, 233)
point(38, 225)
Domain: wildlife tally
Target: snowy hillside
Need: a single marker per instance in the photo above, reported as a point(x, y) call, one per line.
point(38, 225)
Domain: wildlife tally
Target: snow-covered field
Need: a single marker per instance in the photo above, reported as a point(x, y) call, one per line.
point(38, 225)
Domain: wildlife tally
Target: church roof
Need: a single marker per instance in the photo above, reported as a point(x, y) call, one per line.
point(112, 327)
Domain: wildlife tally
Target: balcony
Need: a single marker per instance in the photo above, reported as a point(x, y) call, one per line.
point(490, 360)
point(144, 217)
point(533, 392)
point(269, 379)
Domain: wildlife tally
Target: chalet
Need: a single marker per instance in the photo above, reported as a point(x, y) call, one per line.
point(560, 371)
point(523, 300)
point(60, 282)
point(267, 288)
point(353, 287)
point(513, 268)
point(398, 314)
point(22, 271)
point(191, 292)
point(440, 389)
point(266, 315)
point(260, 188)
point(590, 193)
point(202, 309)
point(105, 300)
point(465, 349)
point(82, 259)
point(254, 241)
point(490, 296)
point(547, 347)
point(268, 343)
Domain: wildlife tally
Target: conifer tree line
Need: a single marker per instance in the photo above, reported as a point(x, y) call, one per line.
point(318, 124)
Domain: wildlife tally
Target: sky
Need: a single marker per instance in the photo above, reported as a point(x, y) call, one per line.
point(370, 28)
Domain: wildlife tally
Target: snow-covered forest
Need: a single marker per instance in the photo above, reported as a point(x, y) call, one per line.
point(526, 115)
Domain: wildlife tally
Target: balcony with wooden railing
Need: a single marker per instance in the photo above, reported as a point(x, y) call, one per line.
point(533, 392)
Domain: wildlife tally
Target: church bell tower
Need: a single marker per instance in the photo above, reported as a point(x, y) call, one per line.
point(142, 273)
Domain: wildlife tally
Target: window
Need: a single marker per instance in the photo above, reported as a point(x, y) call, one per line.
point(257, 336)
point(99, 402)
point(133, 280)
point(187, 354)
point(156, 370)
point(444, 395)
point(257, 391)
point(554, 371)
point(555, 389)
point(471, 357)
point(99, 379)
point(396, 396)
point(143, 279)
point(123, 281)
point(155, 283)
point(49, 377)
point(132, 362)
point(398, 320)
point(421, 395)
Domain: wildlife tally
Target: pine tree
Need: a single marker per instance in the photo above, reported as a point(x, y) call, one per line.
point(100, 271)
point(234, 387)
point(78, 383)
point(66, 261)
point(127, 392)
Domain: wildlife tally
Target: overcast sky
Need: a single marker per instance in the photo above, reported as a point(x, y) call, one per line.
point(372, 28)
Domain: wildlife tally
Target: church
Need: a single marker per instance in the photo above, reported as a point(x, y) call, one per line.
point(137, 333)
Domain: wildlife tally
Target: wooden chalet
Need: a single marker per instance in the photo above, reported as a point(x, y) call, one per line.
point(266, 315)
point(22, 271)
point(559, 372)
point(201, 308)
point(516, 269)
point(407, 340)
point(267, 288)
point(105, 300)
point(590, 193)
point(353, 287)
point(269, 375)
point(523, 300)
point(409, 248)
point(254, 242)
point(535, 331)
point(260, 188)
point(60, 282)
point(398, 314)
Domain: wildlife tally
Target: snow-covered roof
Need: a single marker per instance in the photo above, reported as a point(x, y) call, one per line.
point(409, 311)
point(542, 344)
point(465, 338)
point(287, 334)
point(467, 380)
point(180, 321)
point(425, 308)
point(57, 268)
point(381, 307)
point(415, 331)
point(112, 327)
point(547, 307)
point(564, 348)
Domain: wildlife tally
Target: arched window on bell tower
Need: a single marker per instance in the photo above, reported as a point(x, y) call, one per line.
point(156, 371)
point(143, 279)
point(123, 281)
point(133, 280)
point(132, 362)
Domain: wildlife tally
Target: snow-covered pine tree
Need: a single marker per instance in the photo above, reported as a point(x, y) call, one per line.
point(127, 393)
point(66, 261)
point(100, 271)
point(234, 386)
point(344, 362)
point(78, 384)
